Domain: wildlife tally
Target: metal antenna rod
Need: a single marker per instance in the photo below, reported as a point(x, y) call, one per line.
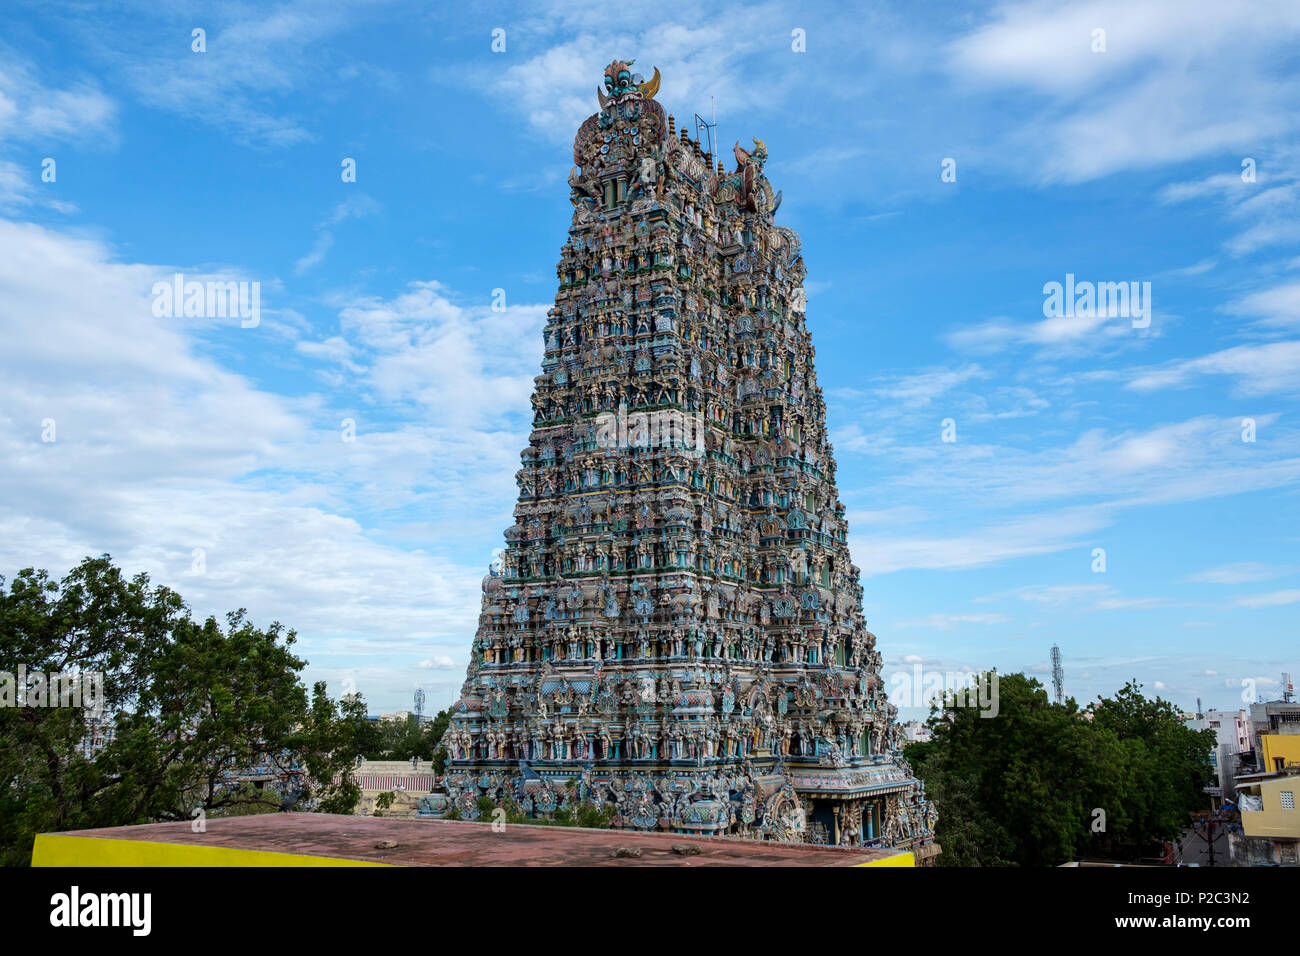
point(709, 127)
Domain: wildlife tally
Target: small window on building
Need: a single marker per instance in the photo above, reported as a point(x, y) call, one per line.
point(1288, 800)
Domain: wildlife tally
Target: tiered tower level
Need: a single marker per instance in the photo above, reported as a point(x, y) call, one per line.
point(675, 628)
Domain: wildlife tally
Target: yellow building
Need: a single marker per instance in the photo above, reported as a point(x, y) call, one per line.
point(1279, 751)
point(1270, 821)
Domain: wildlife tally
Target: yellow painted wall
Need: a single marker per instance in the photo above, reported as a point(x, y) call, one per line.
point(1286, 746)
point(60, 849)
point(1273, 821)
point(898, 859)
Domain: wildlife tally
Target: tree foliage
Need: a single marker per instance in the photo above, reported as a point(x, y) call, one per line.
point(192, 704)
point(406, 739)
point(1023, 788)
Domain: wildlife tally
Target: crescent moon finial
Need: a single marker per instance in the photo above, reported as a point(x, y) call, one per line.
point(648, 90)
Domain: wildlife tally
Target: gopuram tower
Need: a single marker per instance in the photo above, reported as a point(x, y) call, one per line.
point(674, 630)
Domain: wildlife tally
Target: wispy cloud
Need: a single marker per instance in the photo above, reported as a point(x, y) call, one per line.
point(288, 516)
point(33, 110)
point(1273, 599)
point(1242, 572)
point(1272, 369)
point(946, 622)
point(1278, 307)
point(254, 58)
point(354, 207)
point(1165, 89)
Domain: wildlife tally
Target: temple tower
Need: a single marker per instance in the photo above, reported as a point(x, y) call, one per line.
point(675, 629)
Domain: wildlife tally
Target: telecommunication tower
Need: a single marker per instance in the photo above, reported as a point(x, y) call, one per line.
point(1058, 675)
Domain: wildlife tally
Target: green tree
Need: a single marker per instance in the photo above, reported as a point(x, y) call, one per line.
point(435, 730)
point(328, 742)
point(999, 783)
point(1164, 765)
point(406, 738)
point(191, 704)
point(1022, 788)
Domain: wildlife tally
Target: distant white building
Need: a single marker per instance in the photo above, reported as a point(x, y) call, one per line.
point(1231, 728)
point(99, 734)
point(1232, 737)
point(915, 732)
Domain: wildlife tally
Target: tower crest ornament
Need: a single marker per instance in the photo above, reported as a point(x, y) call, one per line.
point(674, 630)
point(620, 81)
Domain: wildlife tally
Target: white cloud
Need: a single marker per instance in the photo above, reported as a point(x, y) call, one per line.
point(1133, 603)
point(1090, 479)
point(355, 207)
point(1180, 461)
point(32, 111)
point(1278, 307)
point(924, 387)
point(700, 52)
point(1242, 572)
point(1053, 336)
point(469, 364)
point(1273, 599)
point(15, 186)
point(46, 117)
point(324, 242)
point(1096, 597)
point(1273, 368)
point(1219, 185)
point(1166, 89)
point(186, 455)
point(1263, 210)
point(255, 57)
point(946, 622)
point(977, 547)
point(1056, 595)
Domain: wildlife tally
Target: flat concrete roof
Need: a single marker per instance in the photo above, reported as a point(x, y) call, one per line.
point(314, 839)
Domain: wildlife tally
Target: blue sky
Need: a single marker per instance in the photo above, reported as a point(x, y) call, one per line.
point(926, 302)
